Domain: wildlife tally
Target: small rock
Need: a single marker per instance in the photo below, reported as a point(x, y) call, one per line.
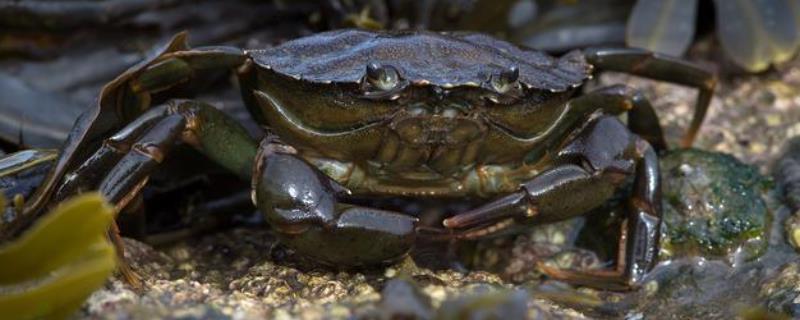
point(787, 173)
point(147, 261)
point(515, 259)
point(713, 206)
point(792, 226)
point(781, 292)
point(499, 304)
point(402, 299)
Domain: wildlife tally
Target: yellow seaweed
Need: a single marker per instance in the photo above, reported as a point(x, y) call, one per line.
point(53, 267)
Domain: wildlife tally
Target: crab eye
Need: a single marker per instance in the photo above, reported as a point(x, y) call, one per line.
point(505, 80)
point(384, 78)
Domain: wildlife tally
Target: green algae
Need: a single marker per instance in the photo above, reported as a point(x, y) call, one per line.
point(713, 206)
point(52, 268)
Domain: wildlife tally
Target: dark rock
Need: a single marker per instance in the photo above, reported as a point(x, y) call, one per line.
point(781, 292)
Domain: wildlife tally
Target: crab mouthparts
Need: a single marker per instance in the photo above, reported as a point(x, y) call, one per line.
point(448, 127)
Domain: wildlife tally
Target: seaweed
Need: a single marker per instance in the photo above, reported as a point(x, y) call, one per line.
point(54, 266)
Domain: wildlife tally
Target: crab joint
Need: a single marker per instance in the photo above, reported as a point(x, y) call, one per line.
point(151, 151)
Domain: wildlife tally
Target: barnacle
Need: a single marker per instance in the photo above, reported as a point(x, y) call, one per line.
point(50, 270)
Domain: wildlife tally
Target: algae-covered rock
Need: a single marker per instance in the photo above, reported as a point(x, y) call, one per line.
point(50, 270)
point(713, 206)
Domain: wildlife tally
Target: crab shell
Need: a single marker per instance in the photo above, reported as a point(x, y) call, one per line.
point(413, 105)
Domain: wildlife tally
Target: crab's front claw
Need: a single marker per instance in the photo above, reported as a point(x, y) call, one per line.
point(553, 195)
point(509, 206)
point(301, 204)
point(594, 165)
point(360, 236)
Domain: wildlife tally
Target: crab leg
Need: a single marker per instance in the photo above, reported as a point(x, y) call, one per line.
point(209, 130)
point(300, 202)
point(121, 167)
point(616, 99)
point(596, 163)
point(660, 67)
point(126, 177)
point(88, 174)
point(639, 236)
point(122, 101)
point(201, 125)
point(642, 118)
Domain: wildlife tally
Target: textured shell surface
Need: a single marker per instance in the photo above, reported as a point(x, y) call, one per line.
point(422, 58)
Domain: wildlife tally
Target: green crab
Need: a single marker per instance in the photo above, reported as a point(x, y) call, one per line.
point(353, 114)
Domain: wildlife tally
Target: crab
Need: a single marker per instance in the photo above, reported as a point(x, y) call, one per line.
point(352, 114)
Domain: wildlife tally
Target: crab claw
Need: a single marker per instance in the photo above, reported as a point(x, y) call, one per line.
point(506, 207)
